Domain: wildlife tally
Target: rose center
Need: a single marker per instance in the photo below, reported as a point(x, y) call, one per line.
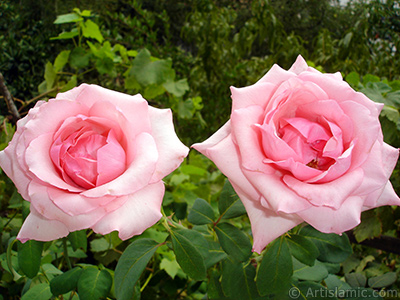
point(308, 140)
point(88, 155)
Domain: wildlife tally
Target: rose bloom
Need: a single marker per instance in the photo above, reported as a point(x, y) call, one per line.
point(303, 146)
point(92, 158)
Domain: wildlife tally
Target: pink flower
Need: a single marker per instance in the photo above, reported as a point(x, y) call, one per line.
point(303, 146)
point(92, 158)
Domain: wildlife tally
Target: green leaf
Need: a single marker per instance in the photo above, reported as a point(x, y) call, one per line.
point(72, 82)
point(334, 283)
point(66, 35)
point(229, 204)
point(40, 291)
point(370, 78)
point(66, 282)
point(85, 13)
point(201, 213)
point(91, 30)
point(171, 267)
point(152, 91)
point(49, 75)
point(332, 247)
point(302, 249)
point(29, 257)
point(238, 280)
point(94, 284)
point(178, 88)
point(390, 113)
point(382, 280)
point(78, 240)
point(149, 72)
point(356, 279)
point(99, 245)
point(131, 265)
point(394, 98)
point(79, 58)
point(188, 257)
point(215, 254)
point(104, 65)
point(186, 109)
point(233, 241)
point(214, 288)
point(353, 79)
point(376, 90)
point(318, 272)
point(61, 60)
point(68, 18)
point(276, 268)
point(193, 170)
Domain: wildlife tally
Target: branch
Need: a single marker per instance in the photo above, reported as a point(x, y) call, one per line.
point(9, 99)
point(385, 243)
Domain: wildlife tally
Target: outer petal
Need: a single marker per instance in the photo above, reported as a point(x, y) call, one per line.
point(377, 168)
point(76, 204)
point(133, 107)
point(38, 228)
point(247, 137)
point(331, 194)
point(256, 94)
point(50, 116)
point(364, 140)
point(276, 75)
point(300, 65)
point(266, 225)
point(46, 208)
point(10, 165)
point(39, 162)
point(328, 220)
point(339, 90)
point(170, 148)
point(388, 196)
point(140, 211)
point(222, 151)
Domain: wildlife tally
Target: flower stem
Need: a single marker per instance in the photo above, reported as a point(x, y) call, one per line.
point(66, 256)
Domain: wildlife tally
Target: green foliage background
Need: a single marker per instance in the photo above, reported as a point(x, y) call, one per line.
point(185, 55)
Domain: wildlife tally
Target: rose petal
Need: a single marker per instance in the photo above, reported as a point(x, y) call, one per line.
point(377, 168)
point(40, 164)
point(387, 197)
point(328, 220)
point(170, 148)
point(137, 175)
point(221, 149)
point(265, 224)
point(45, 207)
point(299, 66)
point(111, 160)
point(133, 107)
point(50, 116)
point(76, 204)
point(246, 136)
point(36, 227)
point(331, 194)
point(12, 167)
point(275, 191)
point(362, 118)
point(330, 111)
point(256, 94)
point(140, 211)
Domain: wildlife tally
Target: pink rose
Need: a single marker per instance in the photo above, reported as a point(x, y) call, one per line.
point(303, 146)
point(92, 158)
